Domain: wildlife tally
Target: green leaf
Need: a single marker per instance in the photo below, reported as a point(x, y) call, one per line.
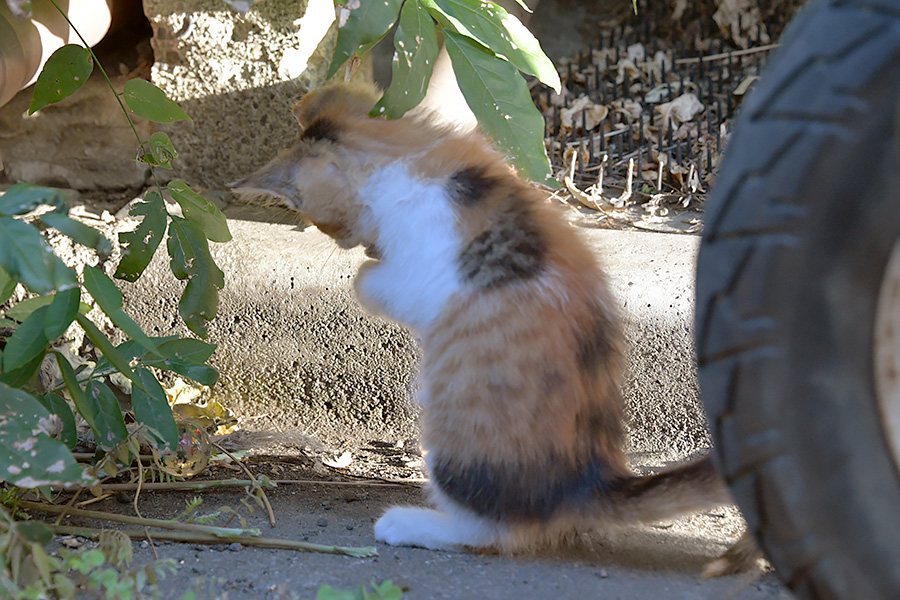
point(365, 27)
point(28, 341)
point(59, 407)
point(387, 590)
point(21, 310)
point(201, 211)
point(29, 457)
point(25, 255)
point(109, 298)
point(416, 49)
point(186, 357)
point(64, 72)
point(187, 350)
point(81, 233)
point(106, 348)
point(504, 34)
point(191, 261)
point(23, 198)
point(61, 313)
point(151, 407)
point(159, 151)
point(75, 392)
point(35, 531)
point(20, 377)
point(109, 426)
point(130, 352)
point(149, 102)
point(143, 241)
point(7, 285)
point(326, 592)
point(499, 97)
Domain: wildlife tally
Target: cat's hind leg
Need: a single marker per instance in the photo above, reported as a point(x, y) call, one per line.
point(435, 529)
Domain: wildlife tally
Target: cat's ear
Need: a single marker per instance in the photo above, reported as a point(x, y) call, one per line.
point(354, 99)
point(277, 178)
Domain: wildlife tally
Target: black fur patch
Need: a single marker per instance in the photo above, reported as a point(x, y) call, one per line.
point(469, 186)
point(322, 129)
point(597, 343)
point(513, 493)
point(511, 249)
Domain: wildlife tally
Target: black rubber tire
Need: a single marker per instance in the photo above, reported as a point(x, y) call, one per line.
point(799, 228)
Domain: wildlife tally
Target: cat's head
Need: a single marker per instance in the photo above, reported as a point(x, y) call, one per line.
point(319, 176)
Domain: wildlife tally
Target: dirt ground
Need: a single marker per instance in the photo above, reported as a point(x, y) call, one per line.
point(659, 561)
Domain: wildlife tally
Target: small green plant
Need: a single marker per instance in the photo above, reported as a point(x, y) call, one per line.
point(104, 571)
point(386, 590)
point(39, 425)
point(37, 422)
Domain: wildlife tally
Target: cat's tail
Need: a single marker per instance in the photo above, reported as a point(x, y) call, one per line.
point(693, 487)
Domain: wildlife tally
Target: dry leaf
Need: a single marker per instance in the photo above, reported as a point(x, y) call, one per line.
point(685, 131)
point(740, 18)
point(681, 109)
point(744, 86)
point(657, 94)
point(677, 170)
point(571, 117)
point(341, 462)
point(636, 53)
point(649, 175)
point(627, 65)
point(183, 392)
point(629, 108)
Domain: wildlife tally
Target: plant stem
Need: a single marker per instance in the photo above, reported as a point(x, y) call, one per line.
point(219, 532)
point(181, 536)
point(178, 485)
point(262, 493)
point(91, 455)
point(365, 482)
point(111, 86)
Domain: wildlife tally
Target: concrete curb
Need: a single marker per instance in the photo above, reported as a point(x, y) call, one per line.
point(297, 352)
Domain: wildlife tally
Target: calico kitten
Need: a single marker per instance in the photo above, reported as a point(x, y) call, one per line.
point(522, 350)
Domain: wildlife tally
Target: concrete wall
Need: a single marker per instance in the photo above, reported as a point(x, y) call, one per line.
point(297, 352)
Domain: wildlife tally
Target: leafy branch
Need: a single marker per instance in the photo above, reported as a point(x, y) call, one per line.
point(38, 430)
point(487, 47)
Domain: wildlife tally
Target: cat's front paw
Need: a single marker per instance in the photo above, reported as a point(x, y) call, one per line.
point(365, 290)
point(399, 527)
point(428, 528)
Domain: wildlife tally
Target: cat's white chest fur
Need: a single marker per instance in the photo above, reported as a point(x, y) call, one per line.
point(415, 226)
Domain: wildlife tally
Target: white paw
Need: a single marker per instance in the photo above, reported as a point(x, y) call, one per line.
point(427, 528)
point(398, 527)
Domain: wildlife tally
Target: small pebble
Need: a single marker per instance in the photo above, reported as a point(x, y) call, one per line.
point(603, 574)
point(234, 547)
point(322, 522)
point(145, 544)
point(349, 527)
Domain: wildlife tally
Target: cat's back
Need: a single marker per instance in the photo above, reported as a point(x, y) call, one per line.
point(521, 372)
